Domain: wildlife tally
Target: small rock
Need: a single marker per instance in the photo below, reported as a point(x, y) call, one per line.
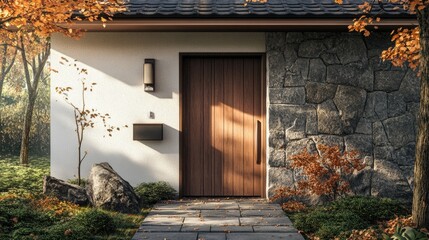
point(65, 191)
point(108, 190)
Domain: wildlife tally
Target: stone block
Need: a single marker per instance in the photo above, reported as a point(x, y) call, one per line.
point(351, 49)
point(317, 71)
point(294, 37)
point(329, 58)
point(275, 40)
point(350, 101)
point(396, 104)
point(287, 95)
point(265, 221)
point(280, 177)
point(410, 87)
point(329, 140)
point(164, 235)
point(297, 73)
point(328, 118)
point(379, 135)
point(296, 147)
point(350, 75)
point(376, 106)
point(389, 181)
point(405, 156)
point(383, 153)
point(319, 92)
point(277, 158)
point(277, 138)
point(360, 143)
point(400, 130)
point(311, 49)
point(388, 81)
point(259, 236)
point(364, 126)
point(277, 69)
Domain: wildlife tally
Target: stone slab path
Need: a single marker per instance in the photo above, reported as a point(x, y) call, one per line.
point(217, 219)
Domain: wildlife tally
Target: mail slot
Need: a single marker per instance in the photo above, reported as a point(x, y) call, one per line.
point(148, 131)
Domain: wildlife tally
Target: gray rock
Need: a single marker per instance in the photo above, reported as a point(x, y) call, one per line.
point(388, 81)
point(311, 49)
point(65, 191)
point(378, 64)
point(351, 76)
point(108, 190)
point(277, 138)
point(389, 181)
point(277, 72)
point(405, 156)
point(328, 118)
point(360, 182)
point(296, 147)
point(275, 40)
point(410, 87)
point(287, 95)
point(317, 71)
point(329, 140)
point(317, 35)
point(292, 116)
point(379, 136)
point(351, 49)
point(400, 130)
point(277, 158)
point(294, 37)
point(364, 126)
point(319, 92)
point(360, 143)
point(378, 40)
point(395, 104)
point(376, 106)
point(297, 74)
point(280, 176)
point(330, 58)
point(383, 153)
point(290, 54)
point(408, 172)
point(297, 130)
point(350, 102)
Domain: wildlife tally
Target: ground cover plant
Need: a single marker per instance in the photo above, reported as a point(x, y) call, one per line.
point(25, 213)
point(339, 218)
point(151, 193)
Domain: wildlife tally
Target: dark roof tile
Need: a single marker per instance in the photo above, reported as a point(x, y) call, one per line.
point(237, 8)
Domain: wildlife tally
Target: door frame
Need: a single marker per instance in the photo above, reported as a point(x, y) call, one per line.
point(262, 56)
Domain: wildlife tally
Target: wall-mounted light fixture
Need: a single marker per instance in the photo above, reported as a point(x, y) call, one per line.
point(149, 75)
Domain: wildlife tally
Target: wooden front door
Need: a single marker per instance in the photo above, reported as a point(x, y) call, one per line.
point(223, 125)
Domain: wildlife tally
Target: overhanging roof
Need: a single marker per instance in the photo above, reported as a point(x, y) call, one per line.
point(234, 15)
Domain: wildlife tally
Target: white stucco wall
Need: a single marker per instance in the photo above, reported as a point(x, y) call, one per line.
point(115, 62)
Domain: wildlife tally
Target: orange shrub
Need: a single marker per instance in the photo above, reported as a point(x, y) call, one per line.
point(324, 175)
point(57, 207)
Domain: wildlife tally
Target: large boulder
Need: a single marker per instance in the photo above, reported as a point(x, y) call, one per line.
point(108, 190)
point(65, 191)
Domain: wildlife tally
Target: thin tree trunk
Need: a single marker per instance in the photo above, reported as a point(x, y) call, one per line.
point(38, 65)
point(25, 141)
point(421, 167)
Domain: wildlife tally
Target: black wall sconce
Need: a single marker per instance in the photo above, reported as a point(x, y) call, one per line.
point(148, 131)
point(149, 75)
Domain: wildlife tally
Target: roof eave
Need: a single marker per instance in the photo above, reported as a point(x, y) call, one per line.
point(234, 24)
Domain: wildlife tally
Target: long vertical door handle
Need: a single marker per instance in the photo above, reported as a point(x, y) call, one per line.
point(258, 141)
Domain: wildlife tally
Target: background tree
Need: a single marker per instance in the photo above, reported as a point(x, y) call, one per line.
point(27, 25)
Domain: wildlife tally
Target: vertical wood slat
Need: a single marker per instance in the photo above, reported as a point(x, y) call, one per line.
point(218, 126)
point(237, 123)
point(228, 128)
point(207, 146)
point(257, 178)
point(248, 128)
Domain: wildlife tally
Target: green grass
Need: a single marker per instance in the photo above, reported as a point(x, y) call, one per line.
point(26, 214)
point(15, 178)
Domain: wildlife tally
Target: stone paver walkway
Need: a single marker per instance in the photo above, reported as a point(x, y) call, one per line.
point(217, 219)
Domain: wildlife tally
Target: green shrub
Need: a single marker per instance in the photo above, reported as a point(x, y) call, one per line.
point(150, 193)
point(96, 222)
point(370, 208)
point(66, 231)
point(340, 217)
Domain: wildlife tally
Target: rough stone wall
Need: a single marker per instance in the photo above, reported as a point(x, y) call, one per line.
point(332, 88)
